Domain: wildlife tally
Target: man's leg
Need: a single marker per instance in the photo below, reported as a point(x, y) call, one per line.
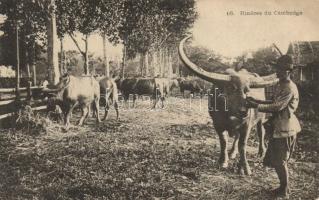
point(283, 175)
point(283, 148)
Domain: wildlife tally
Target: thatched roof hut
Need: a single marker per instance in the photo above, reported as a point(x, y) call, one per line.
point(306, 57)
point(304, 52)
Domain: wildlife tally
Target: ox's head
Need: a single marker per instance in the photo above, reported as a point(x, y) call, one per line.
point(173, 83)
point(64, 82)
point(55, 94)
point(236, 85)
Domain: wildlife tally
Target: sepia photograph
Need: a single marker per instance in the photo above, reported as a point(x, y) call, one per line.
point(159, 99)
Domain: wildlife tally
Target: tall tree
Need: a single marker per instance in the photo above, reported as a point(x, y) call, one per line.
point(147, 26)
point(86, 17)
point(32, 26)
point(53, 68)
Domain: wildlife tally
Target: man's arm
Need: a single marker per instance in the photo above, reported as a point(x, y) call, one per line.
point(278, 104)
point(259, 101)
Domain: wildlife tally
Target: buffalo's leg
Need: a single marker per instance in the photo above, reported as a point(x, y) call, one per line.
point(155, 100)
point(134, 99)
point(85, 111)
point(107, 108)
point(116, 106)
point(93, 110)
point(243, 166)
point(128, 102)
point(89, 110)
point(234, 149)
point(223, 139)
point(69, 110)
point(261, 137)
point(96, 107)
point(162, 100)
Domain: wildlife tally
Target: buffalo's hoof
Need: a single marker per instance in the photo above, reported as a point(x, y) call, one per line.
point(244, 170)
point(233, 154)
point(223, 165)
point(261, 153)
point(65, 129)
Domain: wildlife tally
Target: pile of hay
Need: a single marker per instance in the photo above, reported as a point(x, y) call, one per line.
point(31, 123)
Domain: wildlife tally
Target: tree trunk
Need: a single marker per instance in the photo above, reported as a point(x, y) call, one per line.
point(160, 62)
point(53, 68)
point(141, 64)
point(179, 69)
point(62, 57)
point(27, 63)
point(164, 57)
point(32, 62)
point(17, 64)
point(124, 59)
point(34, 74)
point(170, 65)
point(86, 55)
point(146, 64)
point(105, 58)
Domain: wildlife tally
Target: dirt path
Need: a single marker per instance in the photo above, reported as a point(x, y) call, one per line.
point(169, 153)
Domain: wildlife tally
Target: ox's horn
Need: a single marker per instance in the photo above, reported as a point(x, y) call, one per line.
point(262, 82)
point(208, 76)
point(269, 77)
point(48, 90)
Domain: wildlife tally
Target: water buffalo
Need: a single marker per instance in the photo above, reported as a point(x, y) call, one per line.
point(227, 108)
point(73, 91)
point(192, 85)
point(156, 88)
point(127, 87)
point(171, 84)
point(109, 95)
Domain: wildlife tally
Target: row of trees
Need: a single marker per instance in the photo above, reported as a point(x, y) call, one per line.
point(148, 28)
point(260, 60)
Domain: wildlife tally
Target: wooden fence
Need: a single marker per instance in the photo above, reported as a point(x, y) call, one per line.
point(11, 100)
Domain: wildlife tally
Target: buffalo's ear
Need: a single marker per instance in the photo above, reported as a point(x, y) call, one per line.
point(116, 77)
point(246, 89)
point(234, 86)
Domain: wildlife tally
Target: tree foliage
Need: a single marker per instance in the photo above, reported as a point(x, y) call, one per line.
point(260, 60)
point(149, 25)
point(28, 15)
point(141, 25)
point(205, 58)
point(87, 17)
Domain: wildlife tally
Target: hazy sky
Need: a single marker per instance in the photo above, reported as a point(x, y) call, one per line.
point(232, 35)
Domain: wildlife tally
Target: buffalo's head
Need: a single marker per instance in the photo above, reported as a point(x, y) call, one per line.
point(173, 83)
point(55, 93)
point(235, 85)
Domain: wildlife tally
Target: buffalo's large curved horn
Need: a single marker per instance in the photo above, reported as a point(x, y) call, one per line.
point(48, 90)
point(261, 82)
point(269, 77)
point(208, 76)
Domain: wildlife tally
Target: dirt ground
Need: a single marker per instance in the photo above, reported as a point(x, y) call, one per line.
point(169, 153)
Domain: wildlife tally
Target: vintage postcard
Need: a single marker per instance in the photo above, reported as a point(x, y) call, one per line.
point(162, 99)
